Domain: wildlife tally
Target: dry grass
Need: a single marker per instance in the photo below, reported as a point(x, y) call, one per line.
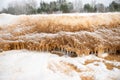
point(87, 78)
point(87, 34)
point(111, 66)
point(113, 58)
point(91, 61)
point(53, 24)
point(71, 66)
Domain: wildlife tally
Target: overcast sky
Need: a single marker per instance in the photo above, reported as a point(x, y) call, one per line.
point(4, 3)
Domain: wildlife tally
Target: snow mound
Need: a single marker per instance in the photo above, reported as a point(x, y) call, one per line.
point(7, 19)
point(28, 65)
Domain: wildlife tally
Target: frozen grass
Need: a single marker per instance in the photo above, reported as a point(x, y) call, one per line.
point(79, 33)
point(33, 32)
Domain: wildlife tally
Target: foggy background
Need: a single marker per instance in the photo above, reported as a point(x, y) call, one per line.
point(58, 6)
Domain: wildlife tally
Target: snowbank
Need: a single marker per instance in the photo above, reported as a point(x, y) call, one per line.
point(7, 19)
point(27, 65)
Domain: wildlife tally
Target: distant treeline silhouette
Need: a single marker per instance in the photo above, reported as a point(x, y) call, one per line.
point(59, 6)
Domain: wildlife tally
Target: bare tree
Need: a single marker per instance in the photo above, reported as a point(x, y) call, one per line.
point(93, 3)
point(118, 1)
point(77, 5)
point(31, 6)
point(100, 8)
point(22, 7)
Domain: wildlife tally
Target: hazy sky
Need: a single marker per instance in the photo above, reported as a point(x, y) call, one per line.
point(4, 3)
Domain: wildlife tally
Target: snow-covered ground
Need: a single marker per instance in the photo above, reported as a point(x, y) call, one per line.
point(93, 30)
point(29, 65)
point(7, 19)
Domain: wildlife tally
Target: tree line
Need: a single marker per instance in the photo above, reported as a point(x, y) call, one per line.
point(59, 6)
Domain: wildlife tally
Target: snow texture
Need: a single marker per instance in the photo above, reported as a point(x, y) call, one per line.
point(28, 65)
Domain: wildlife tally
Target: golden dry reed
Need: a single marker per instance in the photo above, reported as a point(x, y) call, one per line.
point(64, 34)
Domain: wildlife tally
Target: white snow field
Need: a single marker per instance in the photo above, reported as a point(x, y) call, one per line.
point(31, 65)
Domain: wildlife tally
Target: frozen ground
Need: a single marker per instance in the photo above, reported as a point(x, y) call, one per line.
point(28, 65)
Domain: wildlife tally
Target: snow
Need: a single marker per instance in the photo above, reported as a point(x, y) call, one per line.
point(7, 19)
point(104, 55)
point(31, 65)
point(101, 73)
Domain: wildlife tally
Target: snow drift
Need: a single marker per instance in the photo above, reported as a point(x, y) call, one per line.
point(72, 34)
point(28, 65)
